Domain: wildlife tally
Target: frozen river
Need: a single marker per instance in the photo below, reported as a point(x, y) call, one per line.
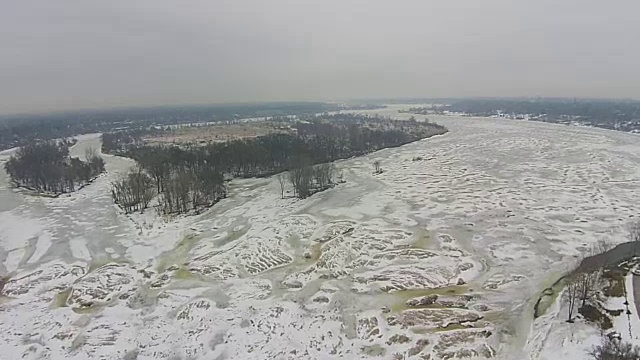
point(488, 214)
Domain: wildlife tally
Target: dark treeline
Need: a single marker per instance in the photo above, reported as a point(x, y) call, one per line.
point(621, 115)
point(47, 167)
point(20, 130)
point(315, 140)
point(188, 177)
point(578, 107)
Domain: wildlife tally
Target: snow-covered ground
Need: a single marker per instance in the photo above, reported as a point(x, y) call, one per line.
point(485, 217)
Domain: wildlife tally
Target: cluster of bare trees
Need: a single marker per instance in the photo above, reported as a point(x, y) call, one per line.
point(180, 186)
point(186, 191)
point(581, 286)
point(133, 191)
point(308, 180)
point(47, 167)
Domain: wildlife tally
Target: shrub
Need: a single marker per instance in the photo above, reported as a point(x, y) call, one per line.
point(614, 349)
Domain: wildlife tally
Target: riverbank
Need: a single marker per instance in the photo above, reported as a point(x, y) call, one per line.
point(609, 259)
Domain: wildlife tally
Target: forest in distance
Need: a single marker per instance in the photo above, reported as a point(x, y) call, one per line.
point(621, 115)
point(192, 176)
point(18, 130)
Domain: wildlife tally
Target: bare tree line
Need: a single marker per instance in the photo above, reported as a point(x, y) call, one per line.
point(20, 130)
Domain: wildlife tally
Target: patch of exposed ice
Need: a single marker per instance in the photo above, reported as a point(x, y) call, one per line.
point(79, 248)
point(42, 245)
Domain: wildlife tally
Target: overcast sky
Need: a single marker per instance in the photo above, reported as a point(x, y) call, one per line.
point(67, 54)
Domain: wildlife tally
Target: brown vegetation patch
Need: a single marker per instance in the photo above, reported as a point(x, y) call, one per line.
point(592, 314)
point(615, 283)
point(216, 133)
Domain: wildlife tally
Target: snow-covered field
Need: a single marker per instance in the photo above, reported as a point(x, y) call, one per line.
point(484, 217)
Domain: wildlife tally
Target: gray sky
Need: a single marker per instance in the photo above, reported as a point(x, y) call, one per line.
point(67, 54)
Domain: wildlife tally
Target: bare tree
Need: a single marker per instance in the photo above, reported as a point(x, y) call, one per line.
point(96, 163)
point(323, 175)
point(282, 179)
point(634, 236)
point(571, 294)
point(603, 245)
point(587, 285)
point(295, 177)
point(378, 168)
point(588, 280)
point(90, 153)
point(306, 182)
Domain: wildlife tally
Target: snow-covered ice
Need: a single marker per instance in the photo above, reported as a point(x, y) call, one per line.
point(483, 217)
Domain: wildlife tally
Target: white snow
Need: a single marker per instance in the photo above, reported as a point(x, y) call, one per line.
point(12, 259)
point(16, 230)
point(501, 206)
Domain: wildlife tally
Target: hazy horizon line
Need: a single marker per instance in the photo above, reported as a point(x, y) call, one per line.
point(367, 100)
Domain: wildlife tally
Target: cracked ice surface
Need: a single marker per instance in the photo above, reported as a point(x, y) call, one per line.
point(472, 231)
